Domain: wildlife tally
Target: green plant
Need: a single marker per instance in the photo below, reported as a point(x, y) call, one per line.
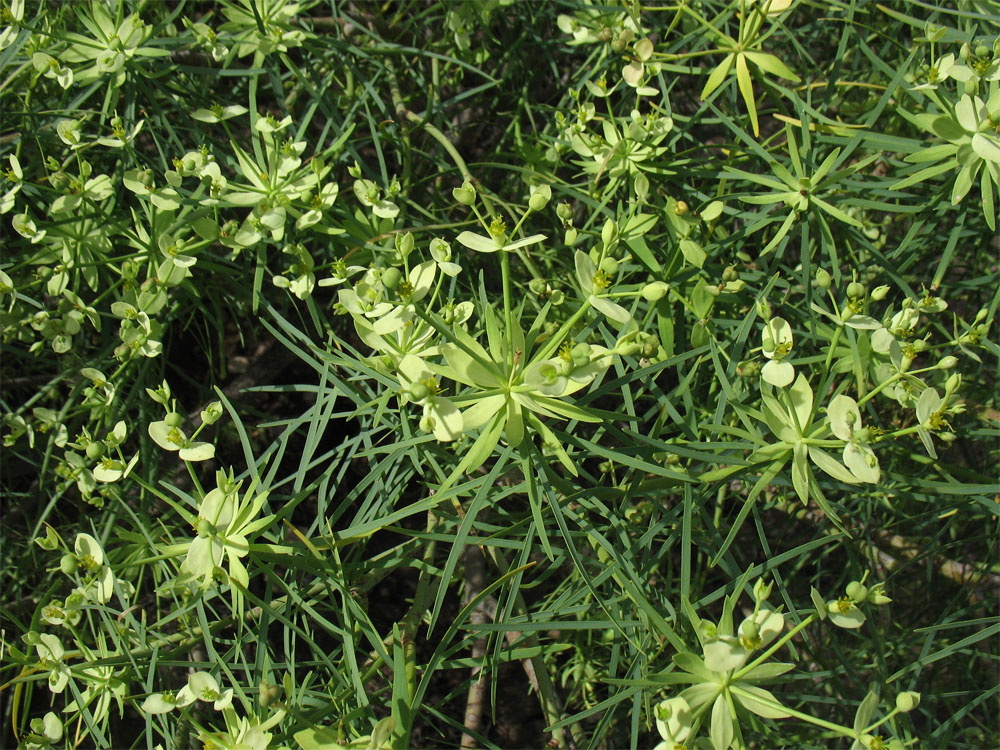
point(496, 374)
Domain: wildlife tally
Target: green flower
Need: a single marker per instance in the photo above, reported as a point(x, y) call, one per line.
point(593, 282)
point(224, 524)
point(721, 683)
point(673, 722)
point(50, 653)
point(859, 458)
point(204, 687)
point(110, 48)
point(497, 240)
point(167, 434)
point(776, 343)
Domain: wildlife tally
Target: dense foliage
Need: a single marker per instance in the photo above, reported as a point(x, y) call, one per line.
point(487, 373)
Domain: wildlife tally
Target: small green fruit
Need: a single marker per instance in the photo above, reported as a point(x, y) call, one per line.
point(907, 701)
point(174, 419)
point(391, 278)
point(68, 564)
point(857, 591)
point(654, 291)
point(947, 363)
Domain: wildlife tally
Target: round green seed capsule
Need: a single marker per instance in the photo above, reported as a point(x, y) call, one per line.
point(67, 564)
point(857, 591)
point(391, 278)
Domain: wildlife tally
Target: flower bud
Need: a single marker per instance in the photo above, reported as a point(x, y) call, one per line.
point(538, 286)
point(269, 694)
point(965, 52)
point(933, 32)
point(953, 383)
point(879, 292)
point(857, 591)
point(907, 701)
point(211, 413)
point(619, 44)
point(947, 363)
point(762, 590)
point(971, 87)
point(466, 195)
point(876, 595)
point(74, 601)
point(855, 289)
point(570, 238)
point(654, 291)
point(580, 354)
point(822, 279)
point(440, 250)
point(608, 232)
point(764, 309)
point(404, 244)
point(60, 181)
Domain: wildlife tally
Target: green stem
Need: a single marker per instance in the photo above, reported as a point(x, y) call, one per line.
point(427, 585)
point(508, 312)
point(898, 376)
point(840, 729)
